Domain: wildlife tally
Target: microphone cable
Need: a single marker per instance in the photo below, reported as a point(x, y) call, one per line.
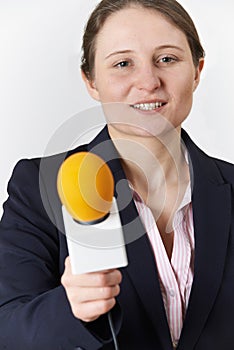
point(114, 337)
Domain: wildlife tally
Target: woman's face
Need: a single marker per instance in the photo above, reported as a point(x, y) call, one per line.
point(144, 62)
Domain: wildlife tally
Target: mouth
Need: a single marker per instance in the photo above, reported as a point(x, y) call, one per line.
point(148, 106)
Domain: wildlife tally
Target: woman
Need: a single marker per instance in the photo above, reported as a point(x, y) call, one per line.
point(143, 58)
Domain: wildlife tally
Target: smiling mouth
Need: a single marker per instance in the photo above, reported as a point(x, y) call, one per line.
point(148, 106)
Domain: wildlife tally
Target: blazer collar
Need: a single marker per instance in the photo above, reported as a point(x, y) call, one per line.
point(202, 167)
point(211, 200)
point(103, 146)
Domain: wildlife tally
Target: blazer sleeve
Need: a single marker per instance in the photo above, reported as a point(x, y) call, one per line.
point(34, 310)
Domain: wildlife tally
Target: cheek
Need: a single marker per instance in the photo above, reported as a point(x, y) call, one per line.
point(184, 89)
point(182, 97)
point(112, 90)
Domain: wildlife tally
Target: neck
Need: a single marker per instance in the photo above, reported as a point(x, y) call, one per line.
point(150, 160)
point(156, 168)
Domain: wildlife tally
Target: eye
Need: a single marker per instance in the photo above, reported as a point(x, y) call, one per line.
point(122, 64)
point(167, 59)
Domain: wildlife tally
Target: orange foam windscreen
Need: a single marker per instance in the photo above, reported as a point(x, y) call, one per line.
point(86, 187)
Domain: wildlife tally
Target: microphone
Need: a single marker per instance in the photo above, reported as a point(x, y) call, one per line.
point(91, 219)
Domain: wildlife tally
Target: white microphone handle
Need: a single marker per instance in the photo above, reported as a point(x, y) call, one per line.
point(95, 247)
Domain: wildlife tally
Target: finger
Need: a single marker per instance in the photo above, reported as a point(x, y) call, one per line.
point(92, 310)
point(84, 294)
point(99, 279)
point(67, 264)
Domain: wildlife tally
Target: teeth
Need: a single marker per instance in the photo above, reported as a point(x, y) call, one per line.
point(148, 106)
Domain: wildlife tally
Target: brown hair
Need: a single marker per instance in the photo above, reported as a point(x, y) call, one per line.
point(170, 9)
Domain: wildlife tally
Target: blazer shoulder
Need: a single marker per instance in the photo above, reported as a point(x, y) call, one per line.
point(29, 170)
point(33, 183)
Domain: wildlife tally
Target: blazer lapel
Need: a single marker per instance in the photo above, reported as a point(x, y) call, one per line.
point(141, 269)
point(143, 274)
point(211, 201)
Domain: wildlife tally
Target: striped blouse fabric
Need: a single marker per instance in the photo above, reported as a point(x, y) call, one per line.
point(175, 274)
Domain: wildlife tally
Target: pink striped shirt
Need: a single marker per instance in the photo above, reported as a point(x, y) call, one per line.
point(175, 275)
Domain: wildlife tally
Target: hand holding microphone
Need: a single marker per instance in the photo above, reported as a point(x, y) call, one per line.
point(91, 294)
point(94, 235)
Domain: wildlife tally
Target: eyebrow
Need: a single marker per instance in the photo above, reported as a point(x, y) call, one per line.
point(170, 47)
point(157, 48)
point(118, 53)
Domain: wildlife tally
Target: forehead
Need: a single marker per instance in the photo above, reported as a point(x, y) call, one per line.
point(133, 24)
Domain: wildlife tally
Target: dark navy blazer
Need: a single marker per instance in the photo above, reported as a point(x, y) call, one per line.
point(34, 311)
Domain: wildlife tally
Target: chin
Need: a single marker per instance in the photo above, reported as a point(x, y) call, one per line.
point(118, 130)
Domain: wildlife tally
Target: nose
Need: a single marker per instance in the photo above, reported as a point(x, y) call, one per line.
point(147, 78)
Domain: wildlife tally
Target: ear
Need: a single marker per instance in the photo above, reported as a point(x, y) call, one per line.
point(198, 71)
point(91, 86)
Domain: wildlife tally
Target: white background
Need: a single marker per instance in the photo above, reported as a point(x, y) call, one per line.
point(40, 84)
